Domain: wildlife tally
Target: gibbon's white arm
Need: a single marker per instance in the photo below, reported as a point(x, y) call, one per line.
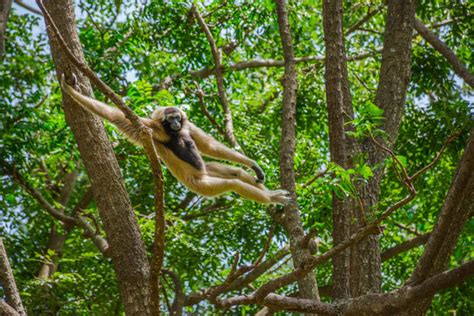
point(112, 114)
point(210, 147)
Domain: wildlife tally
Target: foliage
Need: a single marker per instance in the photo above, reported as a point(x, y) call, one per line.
point(134, 48)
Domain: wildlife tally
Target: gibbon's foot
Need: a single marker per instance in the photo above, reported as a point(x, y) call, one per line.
point(281, 197)
point(259, 173)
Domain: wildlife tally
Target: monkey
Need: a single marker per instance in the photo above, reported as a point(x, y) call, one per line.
point(180, 145)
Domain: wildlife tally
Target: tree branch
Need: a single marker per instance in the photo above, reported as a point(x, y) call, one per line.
point(8, 282)
point(5, 6)
point(200, 95)
point(362, 21)
point(457, 206)
point(292, 220)
point(7, 310)
point(444, 50)
point(370, 304)
point(178, 303)
point(28, 7)
point(405, 246)
point(69, 221)
point(240, 281)
point(58, 214)
point(219, 73)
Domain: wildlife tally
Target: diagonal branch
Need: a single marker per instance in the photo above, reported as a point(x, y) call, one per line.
point(26, 6)
point(459, 68)
point(219, 73)
point(362, 21)
point(12, 172)
point(8, 282)
point(407, 245)
point(239, 281)
point(178, 303)
point(436, 159)
point(200, 95)
point(69, 221)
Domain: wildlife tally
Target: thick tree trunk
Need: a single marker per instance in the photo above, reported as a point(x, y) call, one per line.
point(7, 281)
point(126, 247)
point(456, 210)
point(292, 220)
point(342, 147)
point(391, 95)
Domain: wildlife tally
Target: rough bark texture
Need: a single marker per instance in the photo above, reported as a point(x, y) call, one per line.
point(8, 283)
point(292, 221)
point(390, 96)
point(342, 148)
point(375, 303)
point(5, 6)
point(126, 247)
point(395, 71)
point(457, 207)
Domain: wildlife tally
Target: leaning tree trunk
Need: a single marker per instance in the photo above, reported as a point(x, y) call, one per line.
point(457, 208)
point(292, 220)
point(357, 270)
point(342, 147)
point(391, 95)
point(126, 246)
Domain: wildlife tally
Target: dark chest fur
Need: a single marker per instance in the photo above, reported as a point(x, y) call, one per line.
point(185, 149)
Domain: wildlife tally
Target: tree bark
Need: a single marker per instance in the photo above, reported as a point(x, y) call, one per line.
point(8, 283)
point(126, 246)
point(342, 147)
point(391, 94)
point(292, 220)
point(5, 6)
point(457, 207)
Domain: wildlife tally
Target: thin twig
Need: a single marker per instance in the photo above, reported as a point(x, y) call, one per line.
point(362, 21)
point(266, 247)
point(219, 74)
point(318, 175)
point(28, 7)
point(406, 179)
point(437, 157)
point(200, 95)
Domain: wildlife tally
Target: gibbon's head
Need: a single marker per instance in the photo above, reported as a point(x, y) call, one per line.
point(171, 117)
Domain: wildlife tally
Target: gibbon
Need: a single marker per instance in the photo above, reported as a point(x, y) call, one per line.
point(179, 144)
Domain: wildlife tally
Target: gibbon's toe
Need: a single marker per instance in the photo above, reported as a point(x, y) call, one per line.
point(282, 197)
point(280, 192)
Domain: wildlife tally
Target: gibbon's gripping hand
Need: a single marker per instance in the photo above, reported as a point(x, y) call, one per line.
point(259, 172)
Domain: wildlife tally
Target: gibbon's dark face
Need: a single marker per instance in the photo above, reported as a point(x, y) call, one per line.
point(172, 120)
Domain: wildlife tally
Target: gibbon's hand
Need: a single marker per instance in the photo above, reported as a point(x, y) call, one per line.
point(259, 172)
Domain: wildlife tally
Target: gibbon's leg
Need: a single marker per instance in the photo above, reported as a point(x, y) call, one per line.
point(212, 186)
point(219, 170)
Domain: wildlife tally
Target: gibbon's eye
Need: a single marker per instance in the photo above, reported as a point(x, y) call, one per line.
point(173, 118)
